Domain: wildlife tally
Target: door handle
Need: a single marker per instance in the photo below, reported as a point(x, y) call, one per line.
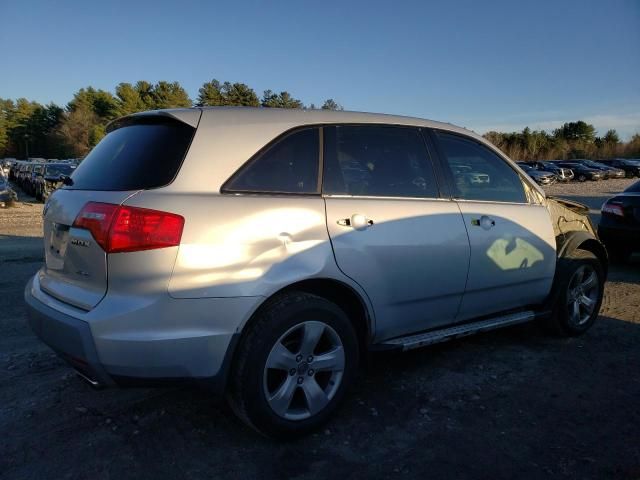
point(357, 221)
point(484, 221)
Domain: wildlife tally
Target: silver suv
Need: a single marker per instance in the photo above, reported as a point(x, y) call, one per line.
point(262, 252)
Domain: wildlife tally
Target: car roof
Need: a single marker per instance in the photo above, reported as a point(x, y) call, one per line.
point(259, 125)
point(299, 116)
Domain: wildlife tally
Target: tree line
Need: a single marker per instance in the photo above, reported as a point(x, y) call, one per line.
point(571, 140)
point(29, 129)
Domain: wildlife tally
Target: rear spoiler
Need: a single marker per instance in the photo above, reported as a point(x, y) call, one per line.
point(190, 116)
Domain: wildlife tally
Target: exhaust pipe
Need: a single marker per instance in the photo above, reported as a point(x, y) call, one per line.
point(94, 383)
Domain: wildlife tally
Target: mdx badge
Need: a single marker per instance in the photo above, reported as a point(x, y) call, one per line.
point(80, 243)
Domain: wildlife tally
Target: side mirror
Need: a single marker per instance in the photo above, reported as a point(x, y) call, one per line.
point(67, 180)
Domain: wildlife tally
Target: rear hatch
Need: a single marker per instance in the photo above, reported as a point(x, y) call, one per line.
point(140, 152)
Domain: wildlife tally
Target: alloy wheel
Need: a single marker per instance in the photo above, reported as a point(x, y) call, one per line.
point(304, 370)
point(582, 294)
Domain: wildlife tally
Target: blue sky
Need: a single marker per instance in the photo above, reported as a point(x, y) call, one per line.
point(484, 65)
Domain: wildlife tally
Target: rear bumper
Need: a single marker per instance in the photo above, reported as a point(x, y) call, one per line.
point(546, 180)
point(69, 337)
point(154, 343)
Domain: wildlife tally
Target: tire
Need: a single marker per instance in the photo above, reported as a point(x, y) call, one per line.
point(256, 392)
point(582, 178)
point(574, 275)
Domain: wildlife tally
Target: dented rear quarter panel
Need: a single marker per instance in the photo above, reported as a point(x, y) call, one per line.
point(246, 245)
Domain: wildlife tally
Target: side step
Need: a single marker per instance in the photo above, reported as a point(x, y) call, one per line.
point(436, 336)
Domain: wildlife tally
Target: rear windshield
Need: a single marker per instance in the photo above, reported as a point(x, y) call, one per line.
point(140, 155)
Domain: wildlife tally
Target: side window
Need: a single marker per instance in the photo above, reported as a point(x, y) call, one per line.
point(478, 173)
point(377, 160)
point(288, 166)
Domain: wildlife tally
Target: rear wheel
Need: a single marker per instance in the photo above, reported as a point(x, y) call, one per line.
point(293, 366)
point(581, 283)
point(582, 178)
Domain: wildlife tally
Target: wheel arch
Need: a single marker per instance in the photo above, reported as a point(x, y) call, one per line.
point(566, 245)
point(583, 241)
point(346, 297)
point(355, 304)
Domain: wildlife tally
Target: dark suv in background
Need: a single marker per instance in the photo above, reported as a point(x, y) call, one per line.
point(630, 167)
point(609, 171)
point(51, 178)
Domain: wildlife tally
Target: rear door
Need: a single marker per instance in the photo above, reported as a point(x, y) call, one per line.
point(391, 231)
point(512, 240)
point(139, 153)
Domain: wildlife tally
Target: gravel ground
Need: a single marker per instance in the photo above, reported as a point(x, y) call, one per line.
point(503, 404)
point(24, 219)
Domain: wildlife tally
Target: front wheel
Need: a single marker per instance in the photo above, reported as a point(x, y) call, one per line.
point(581, 283)
point(294, 366)
point(582, 178)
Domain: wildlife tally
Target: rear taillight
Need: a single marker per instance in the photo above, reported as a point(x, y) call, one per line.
point(119, 228)
point(97, 217)
point(613, 208)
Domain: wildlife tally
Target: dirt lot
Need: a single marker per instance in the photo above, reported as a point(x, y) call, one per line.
point(511, 403)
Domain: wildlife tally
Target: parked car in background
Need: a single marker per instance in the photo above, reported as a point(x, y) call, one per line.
point(14, 168)
point(261, 252)
point(629, 166)
point(31, 179)
point(582, 172)
point(541, 177)
point(610, 172)
point(619, 226)
point(23, 172)
point(5, 167)
point(51, 179)
point(468, 175)
point(562, 174)
point(7, 195)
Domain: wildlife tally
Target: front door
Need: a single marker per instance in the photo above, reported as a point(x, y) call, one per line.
point(512, 240)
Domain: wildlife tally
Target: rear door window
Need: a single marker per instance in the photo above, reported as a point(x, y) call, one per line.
point(377, 160)
point(143, 153)
point(290, 165)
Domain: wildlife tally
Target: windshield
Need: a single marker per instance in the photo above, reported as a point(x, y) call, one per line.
point(56, 170)
point(593, 164)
